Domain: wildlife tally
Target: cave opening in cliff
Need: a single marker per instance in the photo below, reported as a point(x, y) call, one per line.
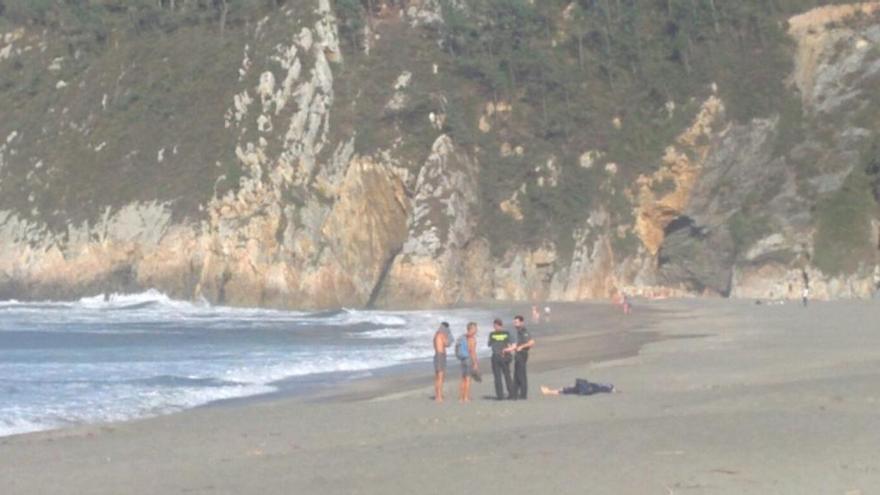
point(680, 223)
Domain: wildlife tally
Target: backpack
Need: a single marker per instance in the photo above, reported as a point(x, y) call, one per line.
point(461, 348)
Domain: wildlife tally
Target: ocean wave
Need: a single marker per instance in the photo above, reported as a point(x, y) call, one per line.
point(137, 402)
point(13, 304)
point(183, 381)
point(155, 306)
point(198, 353)
point(159, 305)
point(383, 333)
point(345, 317)
point(151, 298)
point(327, 363)
point(15, 426)
point(160, 302)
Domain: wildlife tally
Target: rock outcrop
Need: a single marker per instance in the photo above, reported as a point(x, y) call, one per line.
point(444, 260)
point(282, 203)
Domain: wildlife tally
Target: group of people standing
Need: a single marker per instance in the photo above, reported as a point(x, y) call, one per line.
point(505, 349)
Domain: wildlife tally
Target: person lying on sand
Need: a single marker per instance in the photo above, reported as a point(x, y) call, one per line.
point(581, 387)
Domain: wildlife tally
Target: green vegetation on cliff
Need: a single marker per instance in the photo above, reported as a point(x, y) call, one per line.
point(123, 79)
point(620, 77)
point(843, 238)
point(562, 104)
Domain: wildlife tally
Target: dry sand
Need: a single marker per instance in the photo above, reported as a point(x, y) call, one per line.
point(717, 397)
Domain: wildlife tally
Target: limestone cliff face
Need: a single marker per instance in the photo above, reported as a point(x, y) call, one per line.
point(285, 206)
point(443, 261)
point(835, 73)
point(682, 166)
point(817, 66)
point(736, 167)
point(87, 258)
point(298, 229)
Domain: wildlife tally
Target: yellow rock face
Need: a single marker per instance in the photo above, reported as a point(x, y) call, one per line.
point(813, 36)
point(511, 207)
point(367, 224)
point(682, 165)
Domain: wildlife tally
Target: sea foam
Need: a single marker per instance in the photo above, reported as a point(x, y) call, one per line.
point(113, 357)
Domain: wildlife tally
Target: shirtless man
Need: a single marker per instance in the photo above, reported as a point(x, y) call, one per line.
point(442, 340)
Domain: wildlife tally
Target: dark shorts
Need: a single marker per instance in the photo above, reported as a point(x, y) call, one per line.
point(439, 363)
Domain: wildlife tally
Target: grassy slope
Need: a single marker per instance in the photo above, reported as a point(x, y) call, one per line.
point(568, 79)
point(163, 89)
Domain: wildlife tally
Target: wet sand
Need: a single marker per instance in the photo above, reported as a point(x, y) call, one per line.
point(716, 397)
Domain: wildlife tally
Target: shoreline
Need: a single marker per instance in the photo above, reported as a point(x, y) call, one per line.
point(404, 379)
point(720, 397)
point(556, 348)
point(408, 377)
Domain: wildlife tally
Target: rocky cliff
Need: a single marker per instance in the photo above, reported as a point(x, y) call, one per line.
point(297, 159)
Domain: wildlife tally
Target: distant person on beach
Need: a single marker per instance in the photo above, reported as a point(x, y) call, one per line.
point(581, 387)
point(546, 314)
point(502, 349)
point(805, 294)
point(442, 340)
point(626, 305)
point(524, 342)
point(536, 315)
point(470, 366)
point(621, 299)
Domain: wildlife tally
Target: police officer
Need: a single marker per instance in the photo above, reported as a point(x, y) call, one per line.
point(502, 350)
point(524, 342)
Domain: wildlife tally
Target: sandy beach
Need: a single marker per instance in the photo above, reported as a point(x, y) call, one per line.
point(716, 397)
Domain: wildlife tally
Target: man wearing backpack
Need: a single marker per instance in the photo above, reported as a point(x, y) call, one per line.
point(502, 349)
point(466, 352)
point(442, 340)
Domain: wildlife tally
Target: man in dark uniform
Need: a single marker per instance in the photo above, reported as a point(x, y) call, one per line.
point(502, 348)
point(524, 342)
